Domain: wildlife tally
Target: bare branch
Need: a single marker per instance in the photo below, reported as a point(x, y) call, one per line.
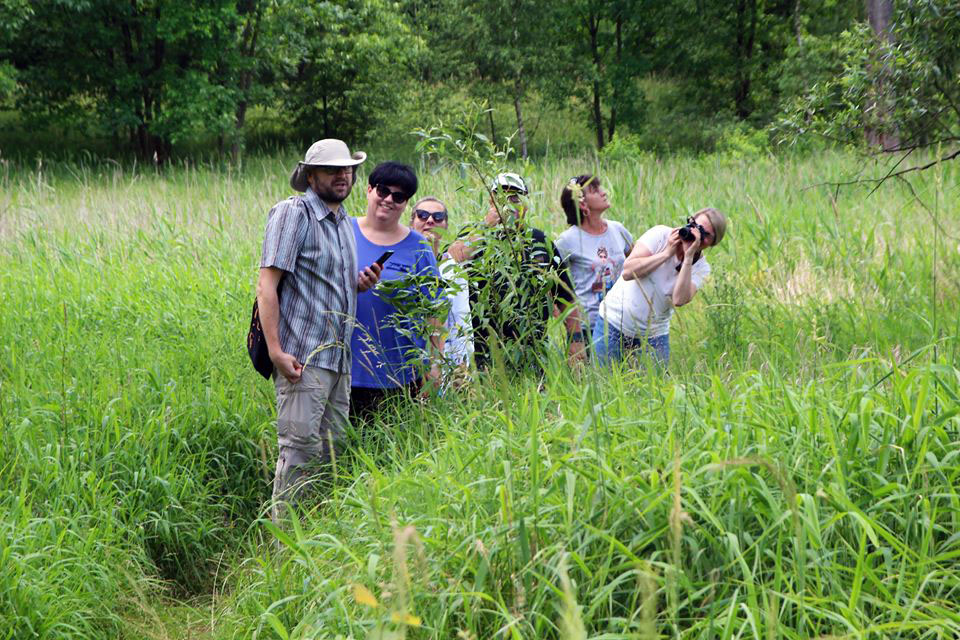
point(895, 174)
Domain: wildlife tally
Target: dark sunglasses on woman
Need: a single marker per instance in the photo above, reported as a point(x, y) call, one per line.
point(438, 216)
point(399, 197)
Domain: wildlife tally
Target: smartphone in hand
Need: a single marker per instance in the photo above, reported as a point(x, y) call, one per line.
point(386, 256)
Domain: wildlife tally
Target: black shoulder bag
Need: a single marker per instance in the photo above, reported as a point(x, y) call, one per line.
point(257, 342)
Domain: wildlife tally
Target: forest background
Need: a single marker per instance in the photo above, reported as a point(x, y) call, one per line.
point(155, 79)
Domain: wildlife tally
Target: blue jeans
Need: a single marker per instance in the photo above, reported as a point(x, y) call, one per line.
point(610, 345)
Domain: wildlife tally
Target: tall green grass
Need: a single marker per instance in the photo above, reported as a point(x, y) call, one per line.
point(794, 475)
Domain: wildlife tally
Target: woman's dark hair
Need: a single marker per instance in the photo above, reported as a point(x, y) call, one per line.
point(570, 206)
point(394, 174)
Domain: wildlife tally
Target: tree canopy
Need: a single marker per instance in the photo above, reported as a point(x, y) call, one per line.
point(153, 74)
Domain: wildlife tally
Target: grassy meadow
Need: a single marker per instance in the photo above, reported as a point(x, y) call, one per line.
point(794, 475)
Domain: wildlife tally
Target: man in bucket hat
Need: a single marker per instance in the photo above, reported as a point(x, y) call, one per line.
point(307, 294)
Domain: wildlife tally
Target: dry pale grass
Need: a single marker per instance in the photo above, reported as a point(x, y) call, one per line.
point(807, 282)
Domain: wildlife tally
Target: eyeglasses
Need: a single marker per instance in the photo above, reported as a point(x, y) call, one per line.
point(399, 197)
point(438, 216)
point(332, 171)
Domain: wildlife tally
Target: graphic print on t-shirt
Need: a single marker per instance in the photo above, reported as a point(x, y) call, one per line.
point(603, 268)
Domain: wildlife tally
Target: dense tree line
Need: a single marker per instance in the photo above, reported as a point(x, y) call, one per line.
point(155, 73)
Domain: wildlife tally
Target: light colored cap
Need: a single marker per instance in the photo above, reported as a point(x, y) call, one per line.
point(328, 152)
point(509, 182)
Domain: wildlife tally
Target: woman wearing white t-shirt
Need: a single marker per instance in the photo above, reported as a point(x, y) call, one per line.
point(428, 213)
point(664, 271)
point(593, 248)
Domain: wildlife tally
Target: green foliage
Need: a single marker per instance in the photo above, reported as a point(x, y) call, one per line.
point(141, 69)
point(340, 64)
point(513, 288)
point(905, 89)
point(607, 56)
point(152, 76)
point(624, 147)
point(740, 139)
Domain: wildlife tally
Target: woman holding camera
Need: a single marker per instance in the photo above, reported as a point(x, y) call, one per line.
point(664, 271)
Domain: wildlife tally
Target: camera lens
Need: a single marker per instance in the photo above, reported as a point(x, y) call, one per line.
point(685, 233)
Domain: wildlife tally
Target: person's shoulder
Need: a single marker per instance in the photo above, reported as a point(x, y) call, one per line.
point(568, 237)
point(414, 242)
point(293, 204)
point(618, 226)
point(537, 235)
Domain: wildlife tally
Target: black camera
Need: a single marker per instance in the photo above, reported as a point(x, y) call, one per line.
point(686, 233)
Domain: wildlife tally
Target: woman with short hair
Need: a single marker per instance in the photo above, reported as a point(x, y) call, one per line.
point(664, 271)
point(593, 247)
point(382, 363)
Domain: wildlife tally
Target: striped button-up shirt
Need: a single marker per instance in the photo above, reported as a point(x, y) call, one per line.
point(315, 248)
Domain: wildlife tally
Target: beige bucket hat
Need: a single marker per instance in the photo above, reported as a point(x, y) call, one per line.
point(328, 152)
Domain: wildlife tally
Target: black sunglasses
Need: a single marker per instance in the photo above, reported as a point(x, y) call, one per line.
point(438, 216)
point(399, 197)
point(332, 171)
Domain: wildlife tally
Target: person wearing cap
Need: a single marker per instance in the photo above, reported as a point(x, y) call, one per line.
point(384, 343)
point(515, 290)
point(664, 271)
point(307, 295)
point(593, 247)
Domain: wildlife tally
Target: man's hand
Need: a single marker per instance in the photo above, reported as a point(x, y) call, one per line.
point(493, 217)
point(368, 278)
point(287, 366)
point(460, 252)
point(431, 382)
point(578, 353)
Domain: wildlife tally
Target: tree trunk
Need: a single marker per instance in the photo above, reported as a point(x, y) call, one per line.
point(493, 130)
point(326, 117)
point(248, 50)
point(617, 89)
point(885, 134)
point(746, 34)
point(521, 131)
point(798, 23)
point(593, 27)
point(238, 137)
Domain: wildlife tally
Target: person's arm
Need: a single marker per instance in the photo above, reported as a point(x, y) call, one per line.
point(565, 301)
point(628, 243)
point(269, 304)
point(427, 264)
point(684, 289)
point(642, 262)
point(435, 353)
point(286, 231)
point(574, 328)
